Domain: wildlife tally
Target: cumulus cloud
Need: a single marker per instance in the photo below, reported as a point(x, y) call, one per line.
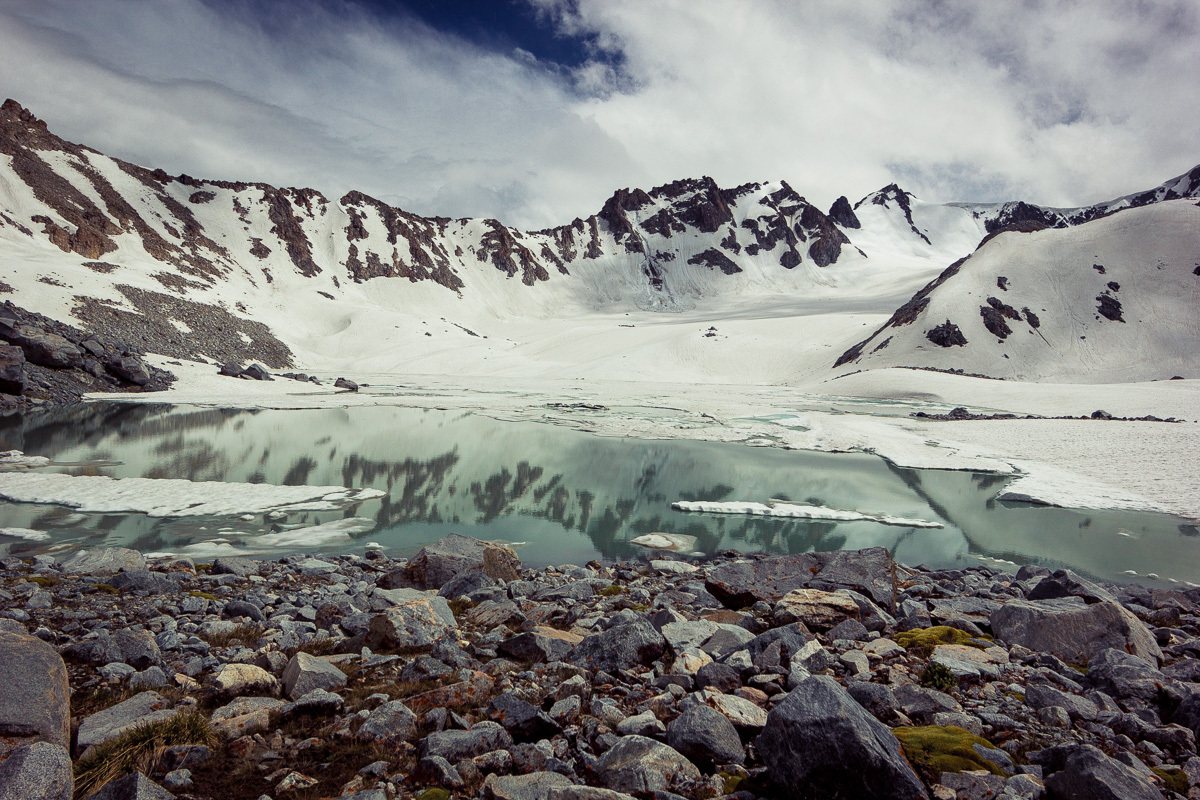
point(1056, 102)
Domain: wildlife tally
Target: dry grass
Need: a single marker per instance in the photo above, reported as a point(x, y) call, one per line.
point(248, 635)
point(140, 749)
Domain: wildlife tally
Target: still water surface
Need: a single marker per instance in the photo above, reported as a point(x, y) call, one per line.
point(565, 496)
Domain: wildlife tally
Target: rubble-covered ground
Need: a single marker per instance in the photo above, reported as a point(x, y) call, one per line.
point(460, 673)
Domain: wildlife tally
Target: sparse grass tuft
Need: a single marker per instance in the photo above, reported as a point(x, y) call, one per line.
point(938, 676)
point(433, 793)
point(319, 647)
point(44, 581)
point(248, 635)
point(205, 595)
point(140, 749)
point(460, 605)
point(612, 591)
point(935, 749)
point(104, 587)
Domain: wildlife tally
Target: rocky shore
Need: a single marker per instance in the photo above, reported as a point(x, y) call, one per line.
point(461, 673)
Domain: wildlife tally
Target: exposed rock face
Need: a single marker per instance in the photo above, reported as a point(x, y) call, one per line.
point(1073, 631)
point(35, 705)
point(820, 743)
point(438, 563)
point(638, 765)
point(620, 647)
point(841, 213)
point(39, 771)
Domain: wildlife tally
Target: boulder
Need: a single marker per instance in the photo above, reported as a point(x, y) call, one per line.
point(1084, 772)
point(235, 680)
point(620, 647)
point(541, 644)
point(35, 704)
point(304, 673)
point(744, 715)
point(134, 786)
point(534, 786)
point(390, 722)
point(345, 383)
point(454, 746)
point(143, 581)
point(135, 648)
point(706, 738)
point(1123, 676)
point(819, 742)
point(113, 721)
point(47, 349)
point(525, 721)
point(242, 608)
point(1072, 630)
point(129, 369)
point(104, 561)
point(256, 372)
point(234, 566)
point(414, 623)
point(12, 369)
point(1065, 583)
point(585, 793)
point(867, 571)
point(436, 564)
point(817, 610)
point(1039, 696)
point(38, 771)
point(743, 583)
point(640, 766)
point(245, 716)
point(230, 369)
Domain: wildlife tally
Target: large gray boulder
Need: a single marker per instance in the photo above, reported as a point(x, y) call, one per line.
point(234, 565)
point(620, 647)
point(1124, 676)
point(1084, 772)
point(743, 583)
point(1072, 630)
point(304, 673)
point(706, 737)
point(35, 701)
point(113, 721)
point(38, 771)
point(12, 369)
point(534, 786)
point(389, 722)
point(1065, 583)
point(437, 563)
point(454, 746)
point(134, 786)
point(135, 648)
point(143, 581)
point(104, 561)
point(819, 743)
point(418, 622)
point(540, 644)
point(640, 766)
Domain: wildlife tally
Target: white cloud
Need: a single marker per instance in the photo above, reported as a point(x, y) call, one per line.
point(1056, 102)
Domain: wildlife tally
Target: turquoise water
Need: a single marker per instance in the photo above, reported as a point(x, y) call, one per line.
point(561, 496)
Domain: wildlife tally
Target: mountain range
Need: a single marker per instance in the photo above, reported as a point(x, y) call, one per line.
point(189, 267)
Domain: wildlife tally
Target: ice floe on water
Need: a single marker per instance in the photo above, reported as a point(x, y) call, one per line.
point(798, 511)
point(172, 497)
point(26, 534)
point(335, 532)
point(12, 460)
point(674, 542)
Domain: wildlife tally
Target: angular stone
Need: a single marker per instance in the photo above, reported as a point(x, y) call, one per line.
point(1073, 631)
point(644, 724)
point(1121, 675)
point(620, 647)
point(876, 699)
point(815, 609)
point(743, 583)
point(245, 716)
point(104, 561)
point(970, 662)
point(472, 691)
point(436, 564)
point(304, 673)
point(38, 771)
point(534, 786)
point(539, 645)
point(585, 793)
point(392, 721)
point(1065, 583)
point(134, 786)
point(318, 701)
point(35, 704)
point(1084, 772)
point(867, 571)
point(819, 741)
point(454, 746)
point(415, 623)
point(683, 635)
point(243, 679)
point(973, 785)
point(706, 738)
point(743, 714)
point(232, 565)
point(637, 765)
point(12, 369)
point(115, 720)
point(1038, 696)
point(143, 581)
point(525, 721)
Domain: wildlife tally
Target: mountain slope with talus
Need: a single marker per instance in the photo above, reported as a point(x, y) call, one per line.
point(189, 267)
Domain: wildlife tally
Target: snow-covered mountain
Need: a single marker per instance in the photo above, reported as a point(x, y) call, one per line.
point(184, 266)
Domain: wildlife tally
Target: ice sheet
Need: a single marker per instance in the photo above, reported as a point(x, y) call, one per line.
point(798, 511)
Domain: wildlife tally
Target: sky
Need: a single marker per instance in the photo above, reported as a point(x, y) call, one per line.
point(535, 111)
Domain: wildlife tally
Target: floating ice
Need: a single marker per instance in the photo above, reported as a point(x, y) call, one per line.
point(313, 535)
point(675, 542)
point(11, 460)
point(25, 533)
point(797, 511)
point(171, 497)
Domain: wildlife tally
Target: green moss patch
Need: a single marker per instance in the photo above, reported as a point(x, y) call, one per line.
point(612, 591)
point(935, 749)
point(925, 639)
point(1175, 779)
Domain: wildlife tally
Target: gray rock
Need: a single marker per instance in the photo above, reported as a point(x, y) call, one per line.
point(104, 561)
point(637, 765)
point(644, 724)
point(574, 590)
point(415, 623)
point(465, 583)
point(1122, 675)
point(721, 677)
point(876, 698)
point(143, 581)
point(1064, 583)
point(743, 583)
point(819, 741)
point(865, 571)
point(534, 786)
point(240, 608)
point(436, 564)
point(973, 786)
point(318, 701)
point(115, 720)
point(706, 738)
point(585, 793)
point(304, 673)
point(231, 565)
point(728, 639)
point(35, 704)
point(620, 647)
point(454, 746)
point(136, 648)
point(525, 721)
point(12, 369)
point(539, 645)
point(921, 703)
point(233, 680)
point(134, 786)
point(683, 635)
point(1038, 696)
point(1083, 772)
point(1073, 631)
point(391, 721)
point(151, 678)
point(38, 771)
point(437, 771)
